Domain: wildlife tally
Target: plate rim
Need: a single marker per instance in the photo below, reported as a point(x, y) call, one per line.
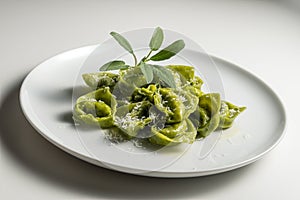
point(164, 174)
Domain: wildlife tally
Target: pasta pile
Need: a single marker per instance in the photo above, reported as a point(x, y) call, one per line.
point(128, 106)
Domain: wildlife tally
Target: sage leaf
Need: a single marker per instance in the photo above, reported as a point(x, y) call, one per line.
point(114, 65)
point(122, 41)
point(117, 67)
point(164, 74)
point(157, 39)
point(169, 51)
point(147, 71)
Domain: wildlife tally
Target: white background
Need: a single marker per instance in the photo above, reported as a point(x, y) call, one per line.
point(261, 36)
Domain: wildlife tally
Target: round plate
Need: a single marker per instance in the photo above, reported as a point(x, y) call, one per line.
point(47, 99)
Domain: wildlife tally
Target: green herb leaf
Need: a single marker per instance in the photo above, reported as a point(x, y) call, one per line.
point(169, 51)
point(122, 41)
point(117, 67)
point(147, 71)
point(114, 65)
point(157, 39)
point(164, 74)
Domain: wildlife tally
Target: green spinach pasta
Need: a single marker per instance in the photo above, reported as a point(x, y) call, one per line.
point(125, 103)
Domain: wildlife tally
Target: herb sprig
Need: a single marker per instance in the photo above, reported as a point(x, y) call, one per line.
point(148, 70)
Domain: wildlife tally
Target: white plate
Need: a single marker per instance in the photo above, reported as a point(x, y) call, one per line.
point(46, 100)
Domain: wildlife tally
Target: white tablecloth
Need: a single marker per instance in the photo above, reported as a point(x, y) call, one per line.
point(261, 36)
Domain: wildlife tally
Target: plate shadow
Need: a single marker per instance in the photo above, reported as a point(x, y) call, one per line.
point(43, 159)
